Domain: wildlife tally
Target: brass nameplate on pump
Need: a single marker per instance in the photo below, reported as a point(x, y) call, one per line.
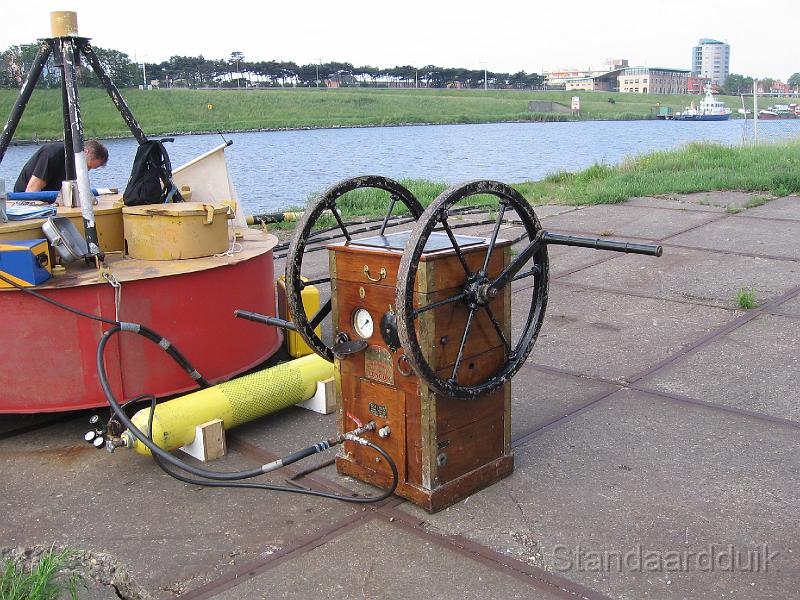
point(378, 365)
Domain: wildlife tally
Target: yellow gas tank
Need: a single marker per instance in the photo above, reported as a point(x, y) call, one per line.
point(176, 231)
point(235, 402)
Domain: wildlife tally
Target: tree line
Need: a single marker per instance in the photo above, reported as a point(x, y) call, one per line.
point(236, 71)
point(743, 84)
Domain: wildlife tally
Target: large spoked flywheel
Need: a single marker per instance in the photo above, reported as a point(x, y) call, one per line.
point(495, 306)
point(322, 222)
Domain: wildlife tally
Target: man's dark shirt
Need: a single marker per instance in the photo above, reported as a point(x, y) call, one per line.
point(48, 164)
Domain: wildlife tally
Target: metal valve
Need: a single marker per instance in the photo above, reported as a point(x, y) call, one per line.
point(96, 436)
point(384, 432)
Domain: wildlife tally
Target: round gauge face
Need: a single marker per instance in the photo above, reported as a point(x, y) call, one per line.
point(362, 323)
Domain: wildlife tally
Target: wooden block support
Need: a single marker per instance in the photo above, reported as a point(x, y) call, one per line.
point(324, 400)
point(209, 441)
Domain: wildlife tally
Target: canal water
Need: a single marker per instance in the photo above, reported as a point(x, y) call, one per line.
point(275, 170)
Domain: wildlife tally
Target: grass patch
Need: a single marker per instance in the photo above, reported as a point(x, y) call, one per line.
point(40, 582)
point(756, 201)
point(698, 167)
point(183, 111)
point(746, 298)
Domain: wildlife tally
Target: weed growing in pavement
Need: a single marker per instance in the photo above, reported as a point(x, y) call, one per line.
point(746, 298)
point(756, 201)
point(40, 582)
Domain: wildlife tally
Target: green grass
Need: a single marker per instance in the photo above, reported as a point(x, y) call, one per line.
point(183, 111)
point(699, 167)
point(746, 298)
point(39, 583)
point(756, 201)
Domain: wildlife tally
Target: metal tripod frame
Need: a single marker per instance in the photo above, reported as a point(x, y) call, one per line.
point(67, 52)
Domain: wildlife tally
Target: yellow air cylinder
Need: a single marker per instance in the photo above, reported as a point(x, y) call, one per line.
point(235, 402)
point(295, 345)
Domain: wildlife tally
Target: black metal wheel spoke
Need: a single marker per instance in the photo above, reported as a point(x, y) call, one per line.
point(516, 265)
point(535, 270)
point(493, 239)
point(338, 218)
point(460, 354)
point(498, 329)
point(388, 213)
point(437, 304)
point(323, 312)
point(456, 247)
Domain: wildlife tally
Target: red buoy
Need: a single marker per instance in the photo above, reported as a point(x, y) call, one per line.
point(48, 355)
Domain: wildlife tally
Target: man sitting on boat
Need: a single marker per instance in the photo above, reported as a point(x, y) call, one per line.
point(46, 169)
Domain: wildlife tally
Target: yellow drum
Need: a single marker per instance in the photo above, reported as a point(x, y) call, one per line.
point(176, 231)
point(108, 220)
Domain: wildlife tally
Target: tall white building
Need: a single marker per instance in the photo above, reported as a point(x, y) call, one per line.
point(711, 58)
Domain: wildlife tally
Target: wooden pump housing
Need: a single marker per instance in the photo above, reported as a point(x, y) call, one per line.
point(445, 448)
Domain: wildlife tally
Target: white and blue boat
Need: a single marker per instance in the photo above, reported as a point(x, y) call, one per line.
point(710, 109)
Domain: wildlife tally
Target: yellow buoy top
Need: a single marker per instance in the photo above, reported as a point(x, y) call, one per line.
point(64, 23)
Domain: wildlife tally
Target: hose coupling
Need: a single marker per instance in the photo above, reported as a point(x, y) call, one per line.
point(351, 437)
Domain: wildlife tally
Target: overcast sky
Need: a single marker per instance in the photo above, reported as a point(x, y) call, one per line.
point(500, 35)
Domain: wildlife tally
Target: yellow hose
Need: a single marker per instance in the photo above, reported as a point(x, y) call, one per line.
point(235, 402)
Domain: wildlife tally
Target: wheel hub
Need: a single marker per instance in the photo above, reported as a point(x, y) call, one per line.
point(478, 290)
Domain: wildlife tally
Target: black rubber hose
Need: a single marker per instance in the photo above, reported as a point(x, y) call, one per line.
point(225, 479)
point(218, 479)
point(57, 303)
point(154, 448)
point(297, 490)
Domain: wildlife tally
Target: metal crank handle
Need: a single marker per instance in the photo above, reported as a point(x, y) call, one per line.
point(601, 244)
point(264, 319)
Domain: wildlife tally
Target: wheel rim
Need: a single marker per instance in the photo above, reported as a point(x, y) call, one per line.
point(300, 240)
point(515, 347)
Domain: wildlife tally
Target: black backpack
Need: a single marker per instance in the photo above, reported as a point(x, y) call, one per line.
point(151, 177)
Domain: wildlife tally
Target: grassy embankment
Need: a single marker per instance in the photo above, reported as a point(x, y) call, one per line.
point(184, 111)
point(770, 168)
point(699, 167)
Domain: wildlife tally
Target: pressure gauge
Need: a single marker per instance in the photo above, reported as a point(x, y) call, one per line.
point(362, 323)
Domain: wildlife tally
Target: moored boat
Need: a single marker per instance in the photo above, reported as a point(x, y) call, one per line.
point(710, 109)
point(779, 111)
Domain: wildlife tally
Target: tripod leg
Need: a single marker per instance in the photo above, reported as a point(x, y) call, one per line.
point(112, 90)
point(24, 96)
point(81, 168)
point(69, 160)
